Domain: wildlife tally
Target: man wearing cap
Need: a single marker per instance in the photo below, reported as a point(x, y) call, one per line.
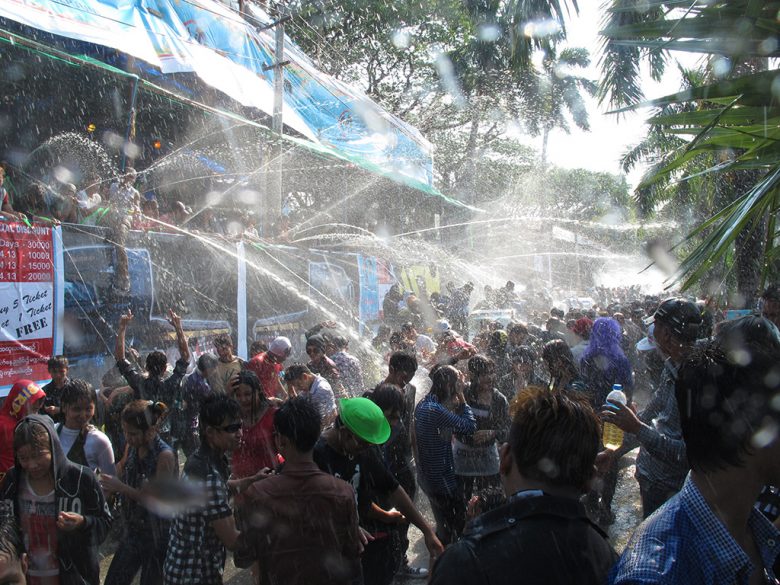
point(346, 450)
point(661, 466)
point(301, 381)
point(267, 366)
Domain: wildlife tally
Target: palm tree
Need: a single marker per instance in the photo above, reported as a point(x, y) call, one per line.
point(736, 123)
point(559, 90)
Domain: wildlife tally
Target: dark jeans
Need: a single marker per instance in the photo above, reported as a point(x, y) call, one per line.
point(449, 510)
point(138, 551)
point(653, 495)
point(379, 562)
point(405, 477)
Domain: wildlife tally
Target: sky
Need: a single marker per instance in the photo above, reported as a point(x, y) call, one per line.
point(610, 136)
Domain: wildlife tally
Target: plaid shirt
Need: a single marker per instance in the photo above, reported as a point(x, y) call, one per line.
point(685, 542)
point(195, 553)
point(662, 459)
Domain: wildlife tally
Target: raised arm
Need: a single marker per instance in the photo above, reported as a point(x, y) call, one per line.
point(119, 349)
point(181, 339)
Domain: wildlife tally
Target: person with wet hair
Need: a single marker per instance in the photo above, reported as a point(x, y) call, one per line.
point(770, 303)
point(147, 458)
point(13, 559)
point(203, 531)
point(542, 533)
point(710, 532)
point(80, 439)
point(564, 374)
point(475, 455)
point(303, 521)
point(256, 448)
point(522, 373)
point(228, 364)
point(441, 413)
point(57, 366)
point(152, 385)
point(194, 391)
point(301, 381)
point(59, 505)
point(319, 363)
point(350, 370)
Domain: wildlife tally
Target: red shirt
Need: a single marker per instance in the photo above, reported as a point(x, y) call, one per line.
point(267, 372)
point(256, 449)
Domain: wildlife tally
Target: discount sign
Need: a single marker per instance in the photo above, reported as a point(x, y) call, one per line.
point(29, 260)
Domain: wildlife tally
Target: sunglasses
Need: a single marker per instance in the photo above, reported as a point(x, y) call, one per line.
point(232, 428)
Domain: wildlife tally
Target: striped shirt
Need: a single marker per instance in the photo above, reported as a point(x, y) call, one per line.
point(434, 425)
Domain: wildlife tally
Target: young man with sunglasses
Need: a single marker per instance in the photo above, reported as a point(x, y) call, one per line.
point(205, 528)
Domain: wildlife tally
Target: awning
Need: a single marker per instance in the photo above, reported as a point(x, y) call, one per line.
point(146, 85)
point(229, 54)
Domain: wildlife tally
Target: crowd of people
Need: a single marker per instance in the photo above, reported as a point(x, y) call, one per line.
point(309, 472)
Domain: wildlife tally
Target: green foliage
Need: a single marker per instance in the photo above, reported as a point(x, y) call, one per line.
point(723, 130)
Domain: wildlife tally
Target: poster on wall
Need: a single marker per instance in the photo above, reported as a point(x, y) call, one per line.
point(31, 301)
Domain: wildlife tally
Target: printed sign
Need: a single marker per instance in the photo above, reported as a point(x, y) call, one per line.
point(29, 303)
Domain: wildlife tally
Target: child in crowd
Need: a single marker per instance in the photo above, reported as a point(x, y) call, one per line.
point(60, 506)
point(58, 370)
point(81, 441)
point(25, 397)
point(147, 457)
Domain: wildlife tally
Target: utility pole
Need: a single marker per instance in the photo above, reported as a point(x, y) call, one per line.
point(274, 185)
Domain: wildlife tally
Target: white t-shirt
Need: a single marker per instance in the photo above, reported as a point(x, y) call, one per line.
point(424, 345)
point(321, 395)
point(97, 448)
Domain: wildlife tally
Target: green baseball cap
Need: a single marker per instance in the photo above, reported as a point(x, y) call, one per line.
point(365, 419)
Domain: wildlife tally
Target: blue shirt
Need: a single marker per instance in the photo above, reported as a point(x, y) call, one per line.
point(685, 542)
point(434, 425)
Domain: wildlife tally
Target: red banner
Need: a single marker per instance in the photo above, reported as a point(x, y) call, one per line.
point(27, 301)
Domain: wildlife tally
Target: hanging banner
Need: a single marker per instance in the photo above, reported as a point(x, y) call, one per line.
point(31, 301)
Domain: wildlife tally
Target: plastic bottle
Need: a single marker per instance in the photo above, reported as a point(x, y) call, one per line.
point(612, 436)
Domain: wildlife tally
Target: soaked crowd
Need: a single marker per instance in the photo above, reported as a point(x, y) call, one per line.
point(309, 472)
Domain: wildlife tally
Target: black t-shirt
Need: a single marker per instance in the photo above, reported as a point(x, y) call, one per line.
point(365, 472)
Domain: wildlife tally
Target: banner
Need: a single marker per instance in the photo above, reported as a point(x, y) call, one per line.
point(31, 301)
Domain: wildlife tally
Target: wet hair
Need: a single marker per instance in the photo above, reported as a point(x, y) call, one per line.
point(250, 379)
point(771, 293)
point(733, 337)
point(403, 361)
point(299, 420)
point(76, 390)
point(480, 365)
point(444, 382)
point(11, 544)
point(317, 341)
point(215, 409)
point(33, 433)
point(387, 397)
point(156, 363)
point(206, 362)
point(59, 362)
point(295, 371)
point(257, 347)
point(517, 328)
point(726, 404)
point(223, 340)
point(340, 342)
point(557, 355)
point(523, 355)
point(554, 437)
point(144, 414)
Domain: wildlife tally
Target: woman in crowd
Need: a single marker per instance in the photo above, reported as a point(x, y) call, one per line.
point(604, 363)
point(564, 374)
point(476, 455)
point(256, 448)
point(147, 457)
point(443, 411)
point(81, 441)
point(59, 505)
point(521, 375)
